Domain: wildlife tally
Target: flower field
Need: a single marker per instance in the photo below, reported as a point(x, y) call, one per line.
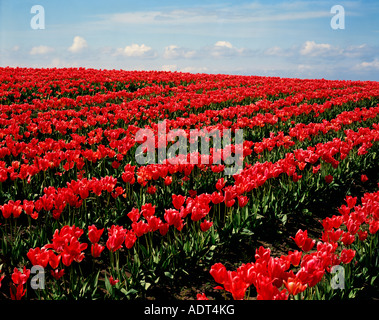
point(82, 219)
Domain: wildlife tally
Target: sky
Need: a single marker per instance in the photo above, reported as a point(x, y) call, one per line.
point(295, 39)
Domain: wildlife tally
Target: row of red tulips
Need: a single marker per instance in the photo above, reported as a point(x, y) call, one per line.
point(289, 276)
point(251, 177)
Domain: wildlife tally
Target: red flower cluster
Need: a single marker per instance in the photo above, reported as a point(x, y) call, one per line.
point(55, 200)
point(94, 235)
point(65, 248)
point(19, 278)
point(273, 277)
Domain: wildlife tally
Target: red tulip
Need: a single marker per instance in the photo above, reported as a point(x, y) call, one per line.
point(96, 250)
point(154, 223)
point(303, 242)
point(178, 201)
point(242, 201)
point(235, 285)
point(219, 273)
point(294, 286)
point(328, 178)
point(362, 235)
point(54, 259)
point(151, 190)
point(1, 278)
point(217, 197)
point(205, 225)
point(201, 296)
point(167, 180)
point(57, 274)
point(163, 228)
point(116, 237)
point(17, 292)
point(20, 278)
point(267, 291)
point(373, 226)
point(140, 228)
point(220, 184)
point(134, 215)
point(294, 257)
point(94, 234)
point(347, 255)
point(38, 256)
point(147, 210)
point(113, 281)
point(351, 201)
point(130, 239)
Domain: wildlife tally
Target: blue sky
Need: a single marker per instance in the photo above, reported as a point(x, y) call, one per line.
point(268, 38)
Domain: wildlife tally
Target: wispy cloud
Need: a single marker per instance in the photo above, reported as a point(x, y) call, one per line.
point(215, 14)
point(176, 52)
point(219, 49)
point(372, 65)
point(39, 50)
point(137, 51)
point(226, 49)
point(314, 49)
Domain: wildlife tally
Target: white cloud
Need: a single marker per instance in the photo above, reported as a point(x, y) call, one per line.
point(41, 50)
point(225, 44)
point(169, 67)
point(78, 44)
point(176, 52)
point(280, 52)
point(136, 50)
point(194, 69)
point(219, 49)
point(274, 51)
point(363, 51)
point(304, 68)
point(373, 65)
point(313, 49)
point(226, 49)
point(218, 14)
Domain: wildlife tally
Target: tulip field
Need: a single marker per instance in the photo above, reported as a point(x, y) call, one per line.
point(80, 218)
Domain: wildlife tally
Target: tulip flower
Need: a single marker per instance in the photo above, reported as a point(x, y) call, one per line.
point(116, 236)
point(20, 278)
point(130, 239)
point(294, 286)
point(134, 215)
point(94, 234)
point(38, 256)
point(364, 178)
point(96, 250)
point(219, 273)
point(17, 292)
point(113, 281)
point(1, 278)
point(178, 201)
point(54, 259)
point(201, 296)
point(205, 225)
point(328, 178)
point(347, 255)
point(57, 274)
point(303, 242)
